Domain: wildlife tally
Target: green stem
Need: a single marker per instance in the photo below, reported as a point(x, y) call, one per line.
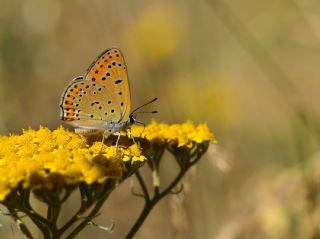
point(184, 164)
point(52, 216)
point(143, 186)
point(85, 203)
point(145, 212)
point(149, 205)
point(37, 219)
point(22, 227)
point(88, 218)
point(102, 198)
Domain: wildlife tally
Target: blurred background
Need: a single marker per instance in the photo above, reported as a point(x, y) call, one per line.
point(250, 69)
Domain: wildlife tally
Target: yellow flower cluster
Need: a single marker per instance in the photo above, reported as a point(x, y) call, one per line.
point(185, 134)
point(44, 158)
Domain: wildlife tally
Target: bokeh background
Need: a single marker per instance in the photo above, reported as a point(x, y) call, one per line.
point(250, 69)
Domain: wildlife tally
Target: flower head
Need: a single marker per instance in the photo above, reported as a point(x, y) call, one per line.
point(185, 134)
point(49, 159)
point(36, 158)
point(53, 164)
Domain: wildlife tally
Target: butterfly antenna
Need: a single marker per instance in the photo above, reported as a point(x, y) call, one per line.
point(147, 112)
point(144, 126)
point(151, 101)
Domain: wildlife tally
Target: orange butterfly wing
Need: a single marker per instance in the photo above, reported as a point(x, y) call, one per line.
point(102, 95)
point(110, 70)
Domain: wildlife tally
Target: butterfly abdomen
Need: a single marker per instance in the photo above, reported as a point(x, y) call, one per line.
point(86, 131)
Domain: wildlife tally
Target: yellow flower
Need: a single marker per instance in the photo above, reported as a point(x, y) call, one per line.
point(48, 159)
point(185, 134)
point(53, 164)
point(135, 153)
point(37, 158)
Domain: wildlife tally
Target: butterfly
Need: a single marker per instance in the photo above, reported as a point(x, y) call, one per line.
point(100, 101)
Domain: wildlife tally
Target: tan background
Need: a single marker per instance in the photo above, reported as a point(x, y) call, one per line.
point(250, 69)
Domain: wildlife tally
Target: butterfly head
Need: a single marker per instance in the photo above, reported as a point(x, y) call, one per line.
point(133, 115)
point(132, 118)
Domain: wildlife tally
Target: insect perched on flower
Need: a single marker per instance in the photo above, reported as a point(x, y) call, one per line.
point(100, 100)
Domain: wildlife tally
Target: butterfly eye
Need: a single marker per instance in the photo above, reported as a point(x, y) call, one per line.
point(132, 118)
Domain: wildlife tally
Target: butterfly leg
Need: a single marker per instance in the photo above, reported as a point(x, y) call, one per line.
point(131, 135)
point(117, 134)
point(102, 142)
